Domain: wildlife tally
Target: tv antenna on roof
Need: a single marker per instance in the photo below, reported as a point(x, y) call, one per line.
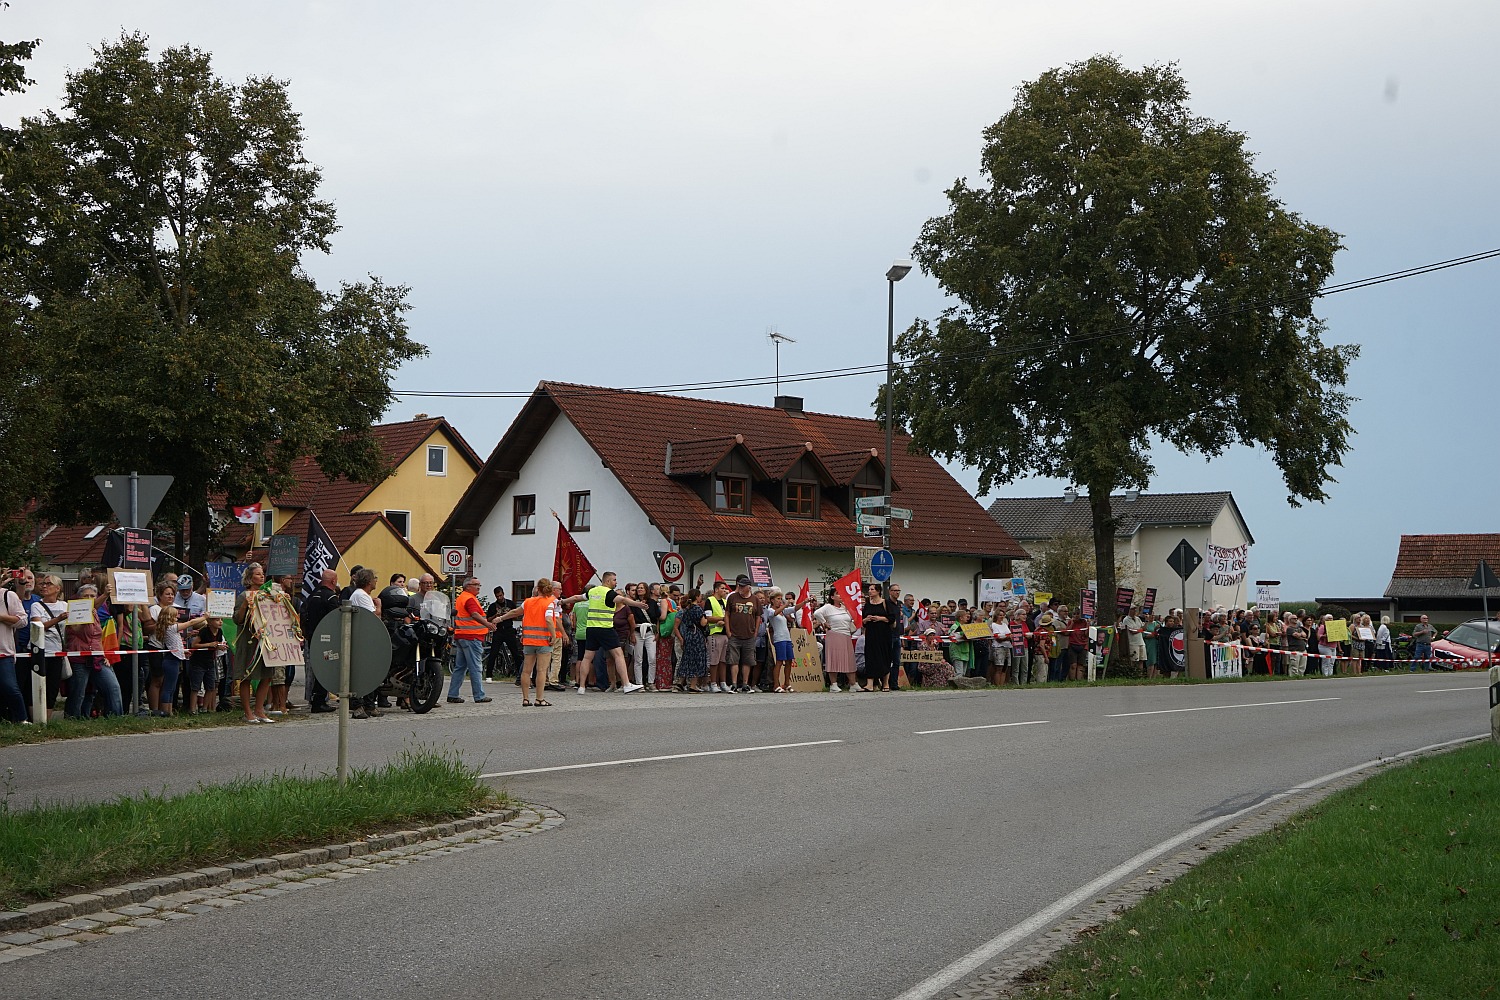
point(777, 339)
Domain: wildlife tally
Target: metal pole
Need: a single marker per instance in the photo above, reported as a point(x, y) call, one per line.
point(1488, 645)
point(890, 357)
point(346, 635)
point(135, 656)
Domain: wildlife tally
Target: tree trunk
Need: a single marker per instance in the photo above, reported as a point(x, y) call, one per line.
point(1104, 553)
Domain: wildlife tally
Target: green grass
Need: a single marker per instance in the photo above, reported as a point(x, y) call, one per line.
point(1387, 890)
point(58, 850)
point(72, 729)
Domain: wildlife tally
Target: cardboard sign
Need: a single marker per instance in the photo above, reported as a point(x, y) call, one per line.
point(129, 586)
point(758, 569)
point(995, 591)
point(220, 603)
point(807, 664)
point(1149, 604)
point(1366, 634)
point(81, 612)
point(1086, 604)
point(1226, 565)
point(929, 662)
point(279, 645)
point(1042, 597)
point(226, 576)
point(976, 630)
point(1337, 629)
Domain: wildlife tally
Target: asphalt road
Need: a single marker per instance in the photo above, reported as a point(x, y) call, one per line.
point(834, 869)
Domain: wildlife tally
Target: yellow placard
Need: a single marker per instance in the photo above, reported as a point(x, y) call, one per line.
point(976, 630)
point(807, 666)
point(1042, 597)
point(1337, 629)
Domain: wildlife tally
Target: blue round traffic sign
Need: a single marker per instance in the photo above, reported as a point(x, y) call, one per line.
point(882, 564)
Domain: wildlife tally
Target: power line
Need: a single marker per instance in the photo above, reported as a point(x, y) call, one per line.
point(875, 369)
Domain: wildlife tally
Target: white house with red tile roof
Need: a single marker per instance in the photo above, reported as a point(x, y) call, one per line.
point(629, 472)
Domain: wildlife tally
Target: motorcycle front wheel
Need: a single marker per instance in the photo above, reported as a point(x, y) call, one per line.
point(427, 687)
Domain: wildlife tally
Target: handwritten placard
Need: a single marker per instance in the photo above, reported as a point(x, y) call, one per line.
point(807, 662)
point(220, 603)
point(976, 630)
point(1337, 629)
point(81, 612)
point(279, 645)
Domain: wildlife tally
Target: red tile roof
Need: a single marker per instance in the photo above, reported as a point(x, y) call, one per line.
point(344, 530)
point(630, 431)
point(397, 442)
point(1446, 556)
point(65, 544)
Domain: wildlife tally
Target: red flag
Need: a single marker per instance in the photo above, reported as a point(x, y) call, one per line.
point(804, 600)
point(569, 565)
point(718, 578)
point(247, 515)
point(850, 588)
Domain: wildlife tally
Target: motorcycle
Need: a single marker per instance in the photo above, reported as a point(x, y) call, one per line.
point(418, 678)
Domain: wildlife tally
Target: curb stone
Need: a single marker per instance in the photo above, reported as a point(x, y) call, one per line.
point(134, 894)
point(1012, 976)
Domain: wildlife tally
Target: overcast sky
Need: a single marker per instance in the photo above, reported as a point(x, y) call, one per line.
point(633, 194)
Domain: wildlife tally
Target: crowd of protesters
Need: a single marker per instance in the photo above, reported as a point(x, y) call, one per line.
point(730, 638)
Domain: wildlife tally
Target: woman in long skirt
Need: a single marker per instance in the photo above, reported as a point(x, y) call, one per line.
point(694, 665)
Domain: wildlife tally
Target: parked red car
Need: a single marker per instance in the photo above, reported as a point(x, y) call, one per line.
point(1465, 646)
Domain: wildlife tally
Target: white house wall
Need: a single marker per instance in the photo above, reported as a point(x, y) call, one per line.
point(621, 537)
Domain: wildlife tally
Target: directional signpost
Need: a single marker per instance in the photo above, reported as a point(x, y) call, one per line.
point(869, 503)
point(901, 514)
point(870, 520)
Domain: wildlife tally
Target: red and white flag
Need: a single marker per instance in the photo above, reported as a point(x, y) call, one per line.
point(851, 590)
point(247, 515)
point(804, 600)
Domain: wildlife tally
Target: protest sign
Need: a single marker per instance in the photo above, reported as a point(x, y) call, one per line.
point(1337, 629)
point(848, 589)
point(863, 555)
point(994, 591)
point(1148, 605)
point(136, 552)
point(1042, 597)
point(927, 661)
point(1018, 586)
point(1224, 566)
point(129, 586)
point(1366, 634)
point(1268, 596)
point(1086, 604)
point(807, 664)
point(279, 645)
point(1224, 661)
point(758, 569)
point(225, 575)
point(220, 603)
point(282, 556)
point(1124, 597)
point(976, 630)
point(81, 612)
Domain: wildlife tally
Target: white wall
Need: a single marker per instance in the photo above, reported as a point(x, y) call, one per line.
point(621, 537)
point(1156, 544)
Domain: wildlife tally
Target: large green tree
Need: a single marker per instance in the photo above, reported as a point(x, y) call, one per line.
point(176, 329)
point(1123, 273)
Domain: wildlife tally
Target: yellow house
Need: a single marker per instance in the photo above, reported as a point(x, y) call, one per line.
point(373, 524)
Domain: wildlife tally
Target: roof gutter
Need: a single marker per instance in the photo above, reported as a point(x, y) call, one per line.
point(694, 565)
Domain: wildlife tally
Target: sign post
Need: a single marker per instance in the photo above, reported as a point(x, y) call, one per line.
point(882, 565)
point(1183, 560)
point(455, 560)
point(671, 565)
point(134, 499)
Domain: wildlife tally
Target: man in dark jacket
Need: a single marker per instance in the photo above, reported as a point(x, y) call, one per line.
point(323, 600)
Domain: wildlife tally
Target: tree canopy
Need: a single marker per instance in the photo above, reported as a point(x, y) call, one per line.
point(1123, 273)
point(173, 326)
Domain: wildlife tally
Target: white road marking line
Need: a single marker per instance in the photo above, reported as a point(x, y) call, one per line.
point(1215, 708)
point(647, 760)
point(1482, 687)
point(961, 729)
point(1042, 919)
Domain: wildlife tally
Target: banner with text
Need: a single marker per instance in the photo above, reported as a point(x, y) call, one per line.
point(1224, 566)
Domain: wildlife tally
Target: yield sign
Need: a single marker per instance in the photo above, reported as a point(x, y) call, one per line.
point(149, 491)
point(1484, 577)
point(1184, 559)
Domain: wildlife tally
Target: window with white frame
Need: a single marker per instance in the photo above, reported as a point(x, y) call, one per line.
point(267, 524)
point(401, 520)
point(437, 460)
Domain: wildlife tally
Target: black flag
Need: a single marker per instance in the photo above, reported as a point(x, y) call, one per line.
point(321, 555)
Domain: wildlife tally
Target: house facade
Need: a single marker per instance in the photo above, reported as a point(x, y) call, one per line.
point(1433, 573)
point(1148, 527)
point(632, 474)
point(374, 524)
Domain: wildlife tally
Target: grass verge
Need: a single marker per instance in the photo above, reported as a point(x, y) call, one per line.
point(72, 729)
point(58, 850)
point(1390, 889)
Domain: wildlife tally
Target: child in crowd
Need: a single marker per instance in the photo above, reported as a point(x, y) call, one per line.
point(203, 664)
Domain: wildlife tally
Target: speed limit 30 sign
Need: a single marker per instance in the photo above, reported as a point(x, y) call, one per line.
point(455, 559)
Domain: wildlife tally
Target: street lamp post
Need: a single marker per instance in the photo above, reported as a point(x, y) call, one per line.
point(898, 270)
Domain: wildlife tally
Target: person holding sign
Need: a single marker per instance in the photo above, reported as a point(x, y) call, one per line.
point(252, 676)
point(51, 611)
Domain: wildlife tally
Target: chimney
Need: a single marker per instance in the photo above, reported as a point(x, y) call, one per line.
point(791, 404)
point(1069, 495)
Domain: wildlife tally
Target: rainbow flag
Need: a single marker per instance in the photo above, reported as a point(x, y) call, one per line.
point(111, 643)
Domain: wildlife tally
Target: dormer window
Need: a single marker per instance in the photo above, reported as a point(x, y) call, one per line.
point(801, 499)
point(731, 494)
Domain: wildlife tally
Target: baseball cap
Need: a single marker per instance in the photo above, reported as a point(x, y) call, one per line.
point(742, 580)
point(185, 582)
